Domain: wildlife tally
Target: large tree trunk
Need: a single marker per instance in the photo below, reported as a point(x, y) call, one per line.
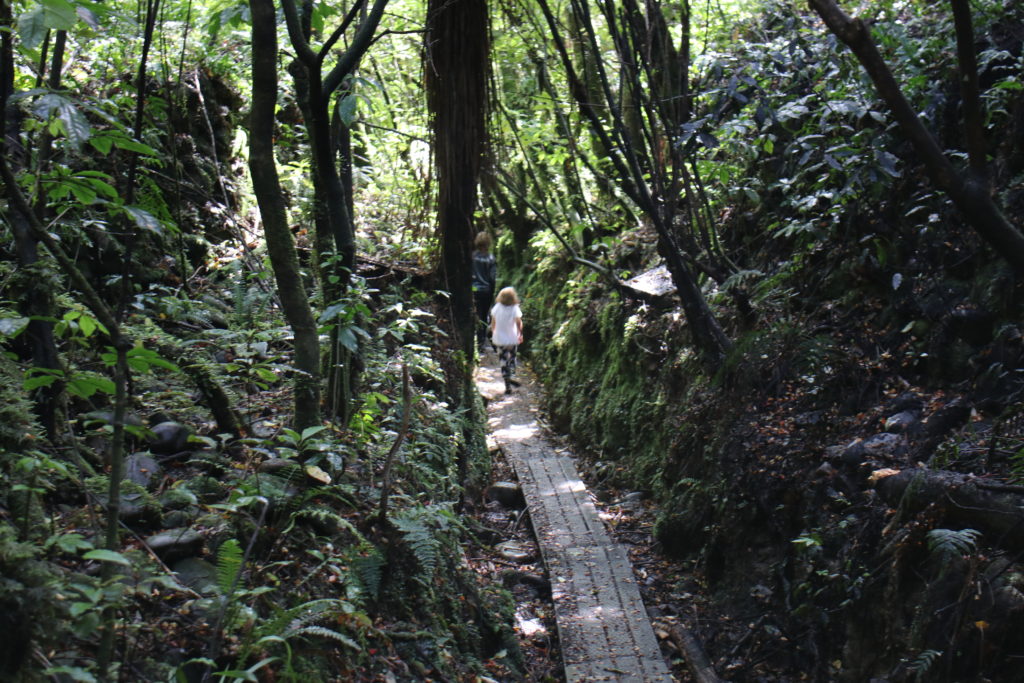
point(280, 245)
point(456, 78)
point(457, 60)
point(970, 193)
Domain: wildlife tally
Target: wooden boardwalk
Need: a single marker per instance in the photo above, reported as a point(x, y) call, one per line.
point(602, 624)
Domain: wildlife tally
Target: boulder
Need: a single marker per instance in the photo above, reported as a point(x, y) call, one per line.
point(508, 494)
point(900, 422)
point(514, 551)
point(143, 469)
point(197, 574)
point(169, 438)
point(176, 544)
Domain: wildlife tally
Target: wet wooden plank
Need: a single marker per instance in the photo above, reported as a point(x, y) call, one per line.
point(603, 627)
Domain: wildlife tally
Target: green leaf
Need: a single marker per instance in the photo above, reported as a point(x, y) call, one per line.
point(69, 543)
point(87, 324)
point(69, 119)
point(311, 431)
point(59, 14)
point(84, 386)
point(98, 183)
point(75, 673)
point(144, 219)
point(347, 108)
point(143, 359)
point(83, 193)
point(107, 556)
point(12, 327)
point(103, 144)
point(32, 28)
point(347, 338)
point(88, 17)
point(39, 381)
point(126, 143)
point(331, 312)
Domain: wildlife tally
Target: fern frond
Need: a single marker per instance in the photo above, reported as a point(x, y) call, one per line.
point(420, 538)
point(229, 564)
point(327, 516)
point(369, 571)
point(323, 632)
point(925, 660)
point(286, 621)
point(948, 543)
point(740, 279)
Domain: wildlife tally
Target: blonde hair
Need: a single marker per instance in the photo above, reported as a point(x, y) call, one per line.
point(508, 297)
point(482, 241)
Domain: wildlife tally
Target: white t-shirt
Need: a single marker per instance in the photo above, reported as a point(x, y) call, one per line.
point(505, 332)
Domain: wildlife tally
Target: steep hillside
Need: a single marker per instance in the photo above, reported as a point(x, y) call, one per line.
point(843, 488)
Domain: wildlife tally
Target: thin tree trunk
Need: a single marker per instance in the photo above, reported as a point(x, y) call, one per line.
point(315, 90)
point(152, 8)
point(708, 335)
point(280, 245)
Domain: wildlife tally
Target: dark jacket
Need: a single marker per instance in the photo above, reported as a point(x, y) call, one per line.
point(485, 271)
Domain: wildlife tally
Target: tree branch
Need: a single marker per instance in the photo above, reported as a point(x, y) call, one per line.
point(360, 44)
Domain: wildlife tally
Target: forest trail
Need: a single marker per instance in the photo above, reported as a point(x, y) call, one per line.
point(603, 627)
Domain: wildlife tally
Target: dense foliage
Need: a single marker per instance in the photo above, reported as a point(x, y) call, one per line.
point(226, 459)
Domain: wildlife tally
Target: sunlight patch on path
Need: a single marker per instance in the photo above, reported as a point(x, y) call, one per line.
point(602, 624)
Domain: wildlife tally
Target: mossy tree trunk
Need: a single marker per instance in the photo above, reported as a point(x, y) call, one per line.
point(457, 58)
point(315, 89)
point(280, 245)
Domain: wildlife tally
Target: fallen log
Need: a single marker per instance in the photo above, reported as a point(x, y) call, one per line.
point(698, 662)
point(995, 509)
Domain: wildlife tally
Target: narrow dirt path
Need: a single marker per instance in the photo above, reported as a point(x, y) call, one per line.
point(603, 627)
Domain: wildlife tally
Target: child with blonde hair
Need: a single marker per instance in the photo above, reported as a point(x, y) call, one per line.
point(507, 333)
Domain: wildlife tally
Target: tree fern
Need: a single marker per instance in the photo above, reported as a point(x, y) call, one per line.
point(947, 543)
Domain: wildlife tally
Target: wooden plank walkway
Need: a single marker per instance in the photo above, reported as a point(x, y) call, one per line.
point(602, 624)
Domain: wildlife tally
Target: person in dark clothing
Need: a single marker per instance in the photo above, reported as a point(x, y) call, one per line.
point(485, 274)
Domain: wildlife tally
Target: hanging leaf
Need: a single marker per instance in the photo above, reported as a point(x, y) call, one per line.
point(59, 15)
point(87, 16)
point(888, 163)
point(32, 28)
point(103, 144)
point(67, 116)
point(707, 139)
point(84, 386)
point(12, 327)
point(144, 219)
point(347, 108)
